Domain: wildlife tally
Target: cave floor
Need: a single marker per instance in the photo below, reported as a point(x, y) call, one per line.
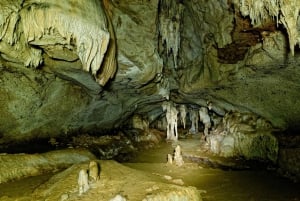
point(216, 179)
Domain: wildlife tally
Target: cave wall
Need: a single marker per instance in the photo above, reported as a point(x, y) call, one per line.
point(59, 98)
point(200, 40)
point(221, 58)
point(29, 102)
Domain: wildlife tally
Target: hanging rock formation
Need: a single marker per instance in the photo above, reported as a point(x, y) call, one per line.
point(89, 66)
point(28, 28)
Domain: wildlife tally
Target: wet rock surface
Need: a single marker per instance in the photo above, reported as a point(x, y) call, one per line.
point(149, 176)
point(115, 179)
point(188, 52)
point(67, 101)
point(17, 166)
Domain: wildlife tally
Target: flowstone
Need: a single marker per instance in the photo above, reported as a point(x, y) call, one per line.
point(244, 134)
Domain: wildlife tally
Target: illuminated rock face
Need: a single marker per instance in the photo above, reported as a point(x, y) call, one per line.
point(244, 134)
point(283, 12)
point(169, 26)
point(67, 39)
point(30, 28)
point(71, 47)
point(183, 112)
point(171, 116)
point(97, 63)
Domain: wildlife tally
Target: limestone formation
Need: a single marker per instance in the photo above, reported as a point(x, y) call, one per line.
point(178, 194)
point(118, 198)
point(163, 88)
point(18, 166)
point(60, 94)
point(284, 12)
point(90, 66)
point(83, 181)
point(194, 117)
point(64, 197)
point(205, 119)
point(30, 29)
point(170, 159)
point(171, 116)
point(246, 135)
point(109, 64)
point(178, 159)
point(94, 171)
point(169, 26)
point(183, 113)
point(123, 182)
point(140, 123)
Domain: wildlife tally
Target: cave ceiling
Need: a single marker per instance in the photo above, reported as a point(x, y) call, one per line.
point(73, 66)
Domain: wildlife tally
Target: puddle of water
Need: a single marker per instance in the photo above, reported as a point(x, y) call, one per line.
point(24, 186)
point(220, 185)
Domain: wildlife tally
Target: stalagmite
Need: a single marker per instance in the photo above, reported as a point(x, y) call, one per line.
point(183, 111)
point(171, 116)
point(205, 119)
point(118, 198)
point(83, 181)
point(178, 159)
point(170, 159)
point(194, 117)
point(94, 171)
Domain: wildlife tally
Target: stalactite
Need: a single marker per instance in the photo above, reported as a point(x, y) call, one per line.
point(80, 26)
point(285, 12)
point(169, 26)
point(91, 39)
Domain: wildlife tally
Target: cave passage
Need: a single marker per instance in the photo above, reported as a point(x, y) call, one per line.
point(169, 100)
point(219, 180)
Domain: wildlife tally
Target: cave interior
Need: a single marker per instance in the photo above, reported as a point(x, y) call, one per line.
point(179, 96)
